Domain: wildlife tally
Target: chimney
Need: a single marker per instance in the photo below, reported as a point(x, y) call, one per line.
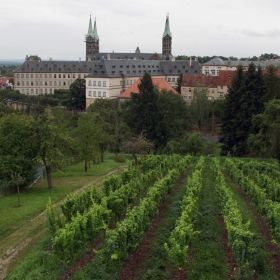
point(108, 56)
point(190, 61)
point(79, 59)
point(50, 59)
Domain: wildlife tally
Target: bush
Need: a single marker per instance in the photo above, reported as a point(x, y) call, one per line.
point(119, 158)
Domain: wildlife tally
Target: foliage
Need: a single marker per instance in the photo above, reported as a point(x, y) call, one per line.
point(78, 94)
point(272, 83)
point(53, 139)
point(267, 141)
point(244, 99)
point(178, 83)
point(200, 105)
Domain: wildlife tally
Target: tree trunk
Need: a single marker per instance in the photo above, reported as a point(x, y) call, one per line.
point(49, 176)
point(18, 196)
point(86, 165)
point(135, 158)
point(102, 156)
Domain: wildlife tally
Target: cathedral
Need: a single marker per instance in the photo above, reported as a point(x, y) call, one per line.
point(92, 47)
point(107, 75)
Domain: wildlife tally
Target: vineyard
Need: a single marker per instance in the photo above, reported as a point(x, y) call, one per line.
point(169, 217)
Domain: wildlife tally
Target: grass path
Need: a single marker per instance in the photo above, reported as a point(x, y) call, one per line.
point(12, 247)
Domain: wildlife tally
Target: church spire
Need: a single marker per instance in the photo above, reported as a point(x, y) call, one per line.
point(167, 27)
point(95, 35)
point(90, 27)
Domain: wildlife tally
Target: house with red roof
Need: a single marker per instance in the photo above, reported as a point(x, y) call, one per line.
point(217, 85)
point(160, 83)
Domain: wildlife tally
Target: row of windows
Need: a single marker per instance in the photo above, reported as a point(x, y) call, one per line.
point(213, 72)
point(94, 93)
point(50, 83)
point(37, 91)
point(93, 83)
point(173, 80)
point(50, 76)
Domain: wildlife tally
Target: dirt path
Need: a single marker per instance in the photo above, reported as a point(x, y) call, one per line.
point(22, 237)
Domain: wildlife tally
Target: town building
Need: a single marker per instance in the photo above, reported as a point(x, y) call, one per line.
point(215, 65)
point(217, 85)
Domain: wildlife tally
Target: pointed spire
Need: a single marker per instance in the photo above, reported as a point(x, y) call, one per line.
point(95, 35)
point(92, 33)
point(167, 27)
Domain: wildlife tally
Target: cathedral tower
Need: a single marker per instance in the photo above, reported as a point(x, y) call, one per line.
point(92, 41)
point(166, 41)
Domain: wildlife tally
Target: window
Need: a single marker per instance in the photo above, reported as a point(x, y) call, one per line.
point(27, 91)
point(59, 83)
point(50, 82)
point(89, 82)
point(68, 83)
point(221, 95)
point(41, 76)
point(31, 83)
point(120, 82)
point(104, 94)
point(206, 72)
point(89, 93)
point(64, 76)
point(79, 76)
point(190, 98)
point(46, 76)
point(27, 83)
point(32, 91)
point(36, 91)
point(185, 97)
point(222, 87)
point(36, 83)
point(99, 83)
point(59, 75)
point(18, 83)
point(22, 83)
point(50, 76)
point(190, 90)
point(99, 93)
point(31, 76)
point(46, 91)
point(173, 79)
point(104, 83)
point(213, 72)
point(54, 75)
point(50, 91)
point(41, 91)
point(94, 94)
point(41, 83)
point(127, 82)
point(218, 72)
point(131, 82)
point(36, 76)
point(73, 75)
point(212, 90)
point(22, 76)
point(27, 76)
point(46, 83)
point(68, 75)
point(54, 83)
point(64, 83)
point(169, 80)
point(22, 91)
point(94, 83)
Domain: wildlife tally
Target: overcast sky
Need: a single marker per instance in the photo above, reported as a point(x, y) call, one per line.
point(56, 28)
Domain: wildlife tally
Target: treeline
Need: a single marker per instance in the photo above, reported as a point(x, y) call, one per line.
point(204, 59)
point(251, 114)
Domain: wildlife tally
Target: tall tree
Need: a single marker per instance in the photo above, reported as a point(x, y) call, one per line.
point(142, 113)
point(230, 114)
point(178, 83)
point(272, 83)
point(89, 135)
point(78, 94)
point(267, 141)
point(18, 150)
point(200, 104)
point(54, 139)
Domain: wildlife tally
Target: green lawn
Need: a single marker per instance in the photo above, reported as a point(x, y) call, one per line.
point(35, 198)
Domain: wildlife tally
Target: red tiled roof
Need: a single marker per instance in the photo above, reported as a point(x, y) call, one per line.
point(160, 83)
point(224, 79)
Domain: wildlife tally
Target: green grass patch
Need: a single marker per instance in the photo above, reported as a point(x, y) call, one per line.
point(35, 198)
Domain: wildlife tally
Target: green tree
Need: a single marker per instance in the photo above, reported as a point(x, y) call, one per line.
point(137, 145)
point(18, 150)
point(53, 138)
point(178, 83)
point(200, 105)
point(78, 94)
point(267, 141)
point(272, 83)
point(141, 111)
